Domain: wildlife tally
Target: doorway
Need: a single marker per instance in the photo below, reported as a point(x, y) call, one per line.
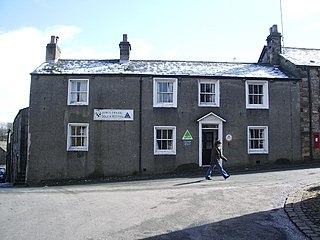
point(209, 136)
point(210, 129)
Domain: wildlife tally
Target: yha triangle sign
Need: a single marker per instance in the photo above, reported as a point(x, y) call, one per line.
point(187, 136)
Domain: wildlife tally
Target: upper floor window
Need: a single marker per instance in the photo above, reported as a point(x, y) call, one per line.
point(78, 92)
point(77, 139)
point(257, 95)
point(208, 93)
point(165, 92)
point(164, 140)
point(257, 139)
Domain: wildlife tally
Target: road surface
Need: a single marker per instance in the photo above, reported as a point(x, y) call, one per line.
point(246, 206)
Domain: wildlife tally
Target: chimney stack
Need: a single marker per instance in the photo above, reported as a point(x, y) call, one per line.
point(53, 51)
point(125, 48)
point(274, 45)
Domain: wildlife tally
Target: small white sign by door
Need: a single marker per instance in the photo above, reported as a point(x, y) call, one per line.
point(113, 114)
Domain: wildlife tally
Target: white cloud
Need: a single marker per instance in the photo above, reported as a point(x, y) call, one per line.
point(171, 54)
point(312, 27)
point(65, 32)
point(298, 8)
point(141, 50)
point(22, 50)
point(88, 52)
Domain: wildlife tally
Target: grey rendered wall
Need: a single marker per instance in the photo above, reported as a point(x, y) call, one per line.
point(282, 119)
point(184, 117)
point(113, 146)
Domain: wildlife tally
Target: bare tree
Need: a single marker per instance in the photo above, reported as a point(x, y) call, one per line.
point(4, 127)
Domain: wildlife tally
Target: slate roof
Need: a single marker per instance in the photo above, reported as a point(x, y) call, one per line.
point(149, 67)
point(302, 56)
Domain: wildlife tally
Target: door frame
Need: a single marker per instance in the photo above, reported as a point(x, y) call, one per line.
point(210, 118)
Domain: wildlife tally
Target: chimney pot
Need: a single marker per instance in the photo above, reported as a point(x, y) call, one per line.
point(274, 29)
point(53, 51)
point(53, 40)
point(274, 46)
point(125, 48)
point(125, 37)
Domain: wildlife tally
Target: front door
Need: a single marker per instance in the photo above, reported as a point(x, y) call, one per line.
point(208, 138)
point(210, 129)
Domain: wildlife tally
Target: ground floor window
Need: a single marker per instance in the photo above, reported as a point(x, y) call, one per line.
point(164, 140)
point(77, 137)
point(257, 139)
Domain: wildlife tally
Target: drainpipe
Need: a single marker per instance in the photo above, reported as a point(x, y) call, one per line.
point(310, 116)
point(140, 125)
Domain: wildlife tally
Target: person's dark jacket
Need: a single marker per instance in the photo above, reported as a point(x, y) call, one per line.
point(216, 155)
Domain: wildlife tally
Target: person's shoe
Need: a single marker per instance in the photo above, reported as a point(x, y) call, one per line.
point(226, 177)
point(208, 178)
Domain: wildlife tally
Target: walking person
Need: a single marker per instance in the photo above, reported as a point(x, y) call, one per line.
point(216, 154)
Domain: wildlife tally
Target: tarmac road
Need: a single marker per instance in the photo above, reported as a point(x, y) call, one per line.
point(246, 206)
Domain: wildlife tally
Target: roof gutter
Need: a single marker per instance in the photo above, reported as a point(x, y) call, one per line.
point(172, 75)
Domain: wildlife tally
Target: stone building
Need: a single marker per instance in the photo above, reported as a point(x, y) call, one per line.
point(96, 118)
point(18, 149)
point(3, 154)
point(303, 63)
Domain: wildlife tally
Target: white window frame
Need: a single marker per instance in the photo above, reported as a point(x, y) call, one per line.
point(172, 104)
point(86, 101)
point(265, 98)
point(216, 102)
point(69, 141)
point(174, 139)
point(265, 149)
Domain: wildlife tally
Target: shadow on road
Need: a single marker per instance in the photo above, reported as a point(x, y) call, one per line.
point(188, 183)
point(273, 225)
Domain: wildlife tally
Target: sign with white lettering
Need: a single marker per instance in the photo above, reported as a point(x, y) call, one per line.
point(113, 114)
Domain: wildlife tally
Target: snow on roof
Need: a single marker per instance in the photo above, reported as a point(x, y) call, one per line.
point(148, 67)
point(302, 56)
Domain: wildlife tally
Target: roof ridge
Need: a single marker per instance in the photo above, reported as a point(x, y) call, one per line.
point(318, 49)
point(172, 61)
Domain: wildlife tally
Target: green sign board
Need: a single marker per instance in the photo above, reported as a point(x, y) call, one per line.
point(187, 136)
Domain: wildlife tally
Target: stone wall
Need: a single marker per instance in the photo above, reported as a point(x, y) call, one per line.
point(309, 79)
point(306, 74)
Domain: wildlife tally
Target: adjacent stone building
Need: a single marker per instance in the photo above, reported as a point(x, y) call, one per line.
point(301, 63)
point(18, 149)
point(95, 118)
point(3, 154)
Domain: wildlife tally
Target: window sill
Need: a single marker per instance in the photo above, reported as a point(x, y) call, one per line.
point(77, 149)
point(165, 153)
point(251, 152)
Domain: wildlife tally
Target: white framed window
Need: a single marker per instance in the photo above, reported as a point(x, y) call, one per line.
point(257, 94)
point(164, 140)
point(78, 137)
point(165, 92)
point(78, 92)
point(208, 93)
point(258, 140)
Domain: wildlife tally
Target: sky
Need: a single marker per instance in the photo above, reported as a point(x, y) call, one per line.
point(192, 30)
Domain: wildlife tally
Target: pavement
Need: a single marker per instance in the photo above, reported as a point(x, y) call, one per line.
point(303, 208)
